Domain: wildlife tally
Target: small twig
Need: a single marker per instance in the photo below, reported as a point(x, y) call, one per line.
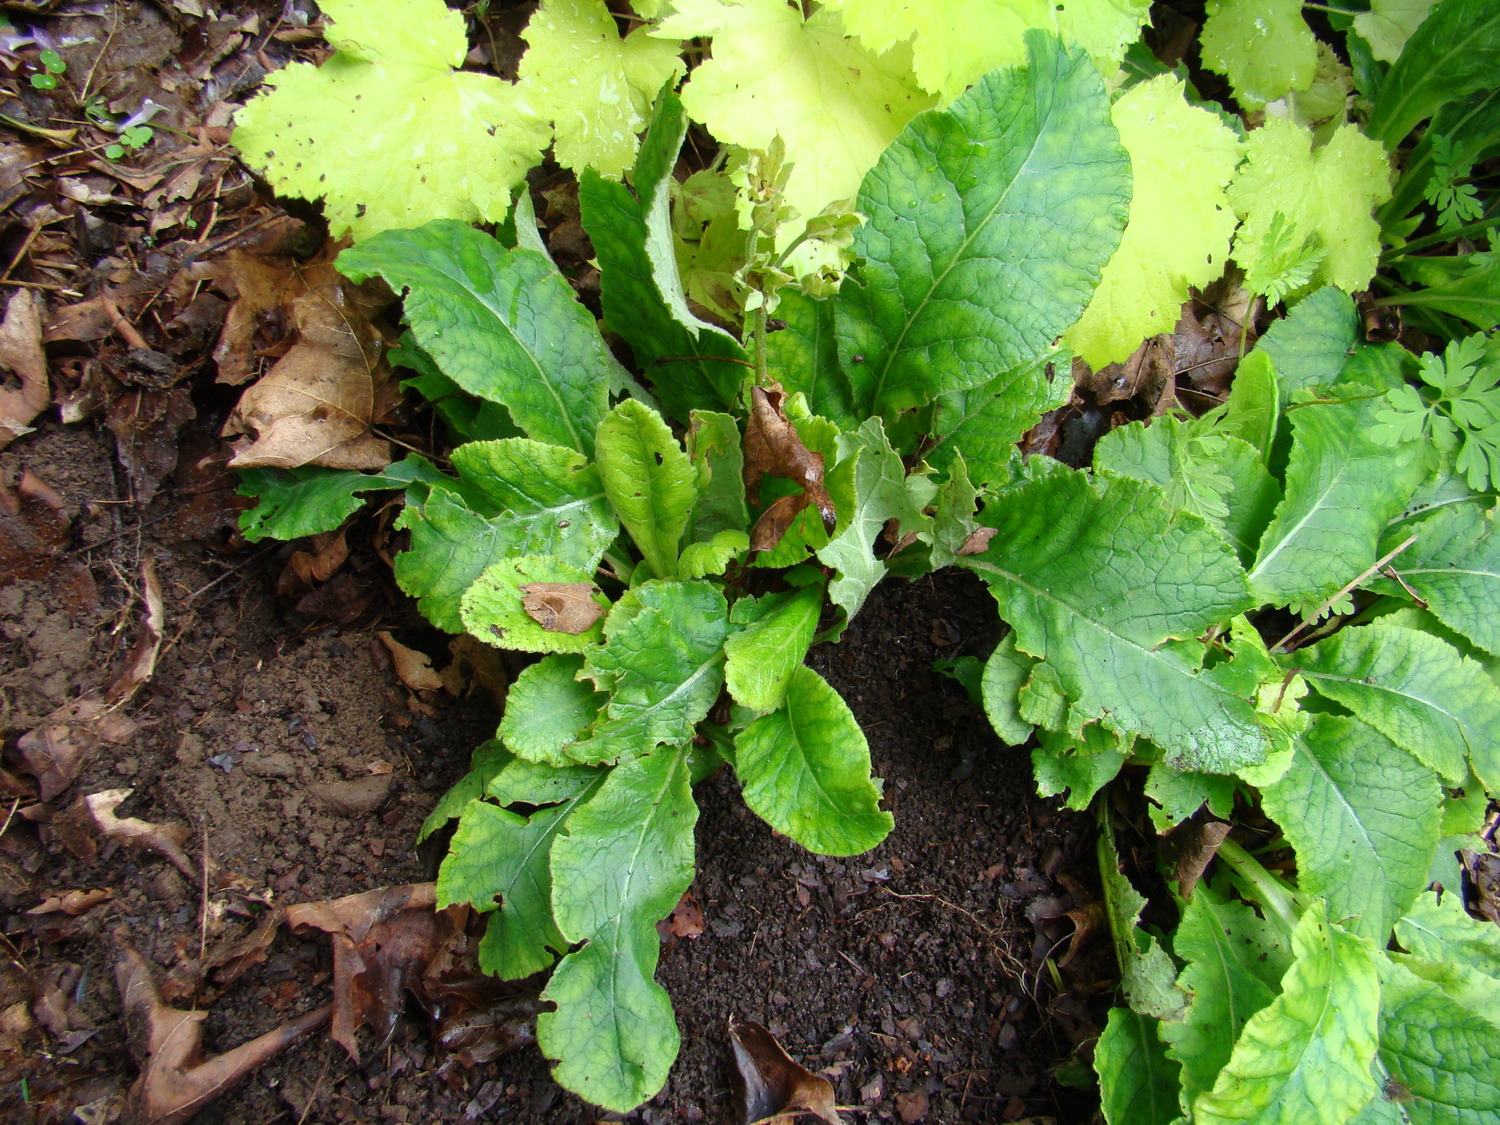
point(31, 233)
point(203, 903)
point(127, 331)
point(1391, 573)
point(14, 805)
point(1346, 588)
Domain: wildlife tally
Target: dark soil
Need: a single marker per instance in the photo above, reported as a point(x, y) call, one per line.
point(923, 978)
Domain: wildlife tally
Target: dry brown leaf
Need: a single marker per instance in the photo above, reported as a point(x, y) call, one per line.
point(318, 403)
point(771, 1083)
point(475, 665)
point(21, 356)
point(382, 941)
point(562, 607)
point(1089, 923)
point(978, 541)
point(773, 448)
point(164, 839)
point(1193, 846)
point(414, 668)
point(686, 921)
point(140, 666)
point(72, 903)
point(176, 1080)
point(54, 752)
point(306, 570)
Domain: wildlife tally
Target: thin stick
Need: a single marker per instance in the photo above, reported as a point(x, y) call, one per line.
point(1322, 609)
point(31, 234)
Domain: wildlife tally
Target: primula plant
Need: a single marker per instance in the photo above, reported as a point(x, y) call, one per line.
point(1281, 609)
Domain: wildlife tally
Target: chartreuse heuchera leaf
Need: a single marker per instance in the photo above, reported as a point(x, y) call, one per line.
point(1235, 961)
point(1363, 817)
point(1137, 1081)
point(595, 87)
point(503, 324)
point(388, 132)
point(775, 73)
point(513, 497)
point(1263, 47)
point(988, 224)
point(1117, 635)
point(1329, 194)
point(955, 44)
point(1422, 693)
point(1181, 158)
point(623, 861)
point(805, 769)
point(1305, 1057)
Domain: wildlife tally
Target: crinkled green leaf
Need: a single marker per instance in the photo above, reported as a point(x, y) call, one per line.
point(1439, 1052)
point(649, 481)
point(497, 853)
point(1224, 475)
point(1304, 1059)
point(387, 132)
point(1137, 1081)
point(956, 43)
point(1454, 52)
point(547, 708)
point(1235, 961)
point(1004, 673)
point(989, 223)
point(1473, 296)
point(1389, 24)
point(503, 324)
point(953, 515)
point(493, 607)
point(1311, 343)
point(985, 422)
point(1262, 46)
point(713, 445)
point(1462, 953)
point(1181, 158)
point(1078, 764)
point(1176, 795)
point(513, 497)
point(1331, 193)
point(1363, 818)
point(870, 486)
point(761, 657)
point(804, 357)
point(1421, 693)
point(700, 560)
point(1148, 975)
point(1252, 412)
point(690, 363)
point(1454, 566)
point(774, 73)
point(489, 759)
point(534, 783)
point(1096, 579)
point(805, 769)
point(662, 664)
point(1342, 488)
point(594, 86)
point(310, 500)
point(621, 866)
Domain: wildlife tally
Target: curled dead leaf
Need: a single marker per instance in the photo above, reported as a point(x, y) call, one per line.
point(141, 664)
point(382, 941)
point(774, 448)
point(414, 668)
point(1192, 847)
point(164, 839)
point(176, 1080)
point(562, 607)
point(978, 541)
point(318, 404)
point(54, 753)
point(21, 354)
point(771, 1083)
point(72, 903)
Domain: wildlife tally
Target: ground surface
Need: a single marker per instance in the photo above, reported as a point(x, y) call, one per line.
point(268, 735)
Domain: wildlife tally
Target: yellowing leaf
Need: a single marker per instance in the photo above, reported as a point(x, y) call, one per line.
point(1181, 158)
point(835, 105)
point(1262, 46)
point(596, 87)
point(387, 132)
point(954, 44)
point(1389, 24)
point(1330, 193)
